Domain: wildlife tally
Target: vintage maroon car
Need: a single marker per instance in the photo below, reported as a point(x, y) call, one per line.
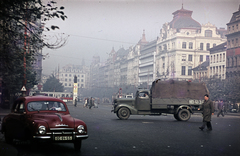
point(43, 118)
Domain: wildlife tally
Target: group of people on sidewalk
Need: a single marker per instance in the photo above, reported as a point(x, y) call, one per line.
point(88, 103)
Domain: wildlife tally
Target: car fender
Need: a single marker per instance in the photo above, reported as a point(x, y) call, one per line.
point(131, 109)
point(184, 107)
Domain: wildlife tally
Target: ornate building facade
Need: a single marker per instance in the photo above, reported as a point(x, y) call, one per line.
point(184, 44)
point(233, 45)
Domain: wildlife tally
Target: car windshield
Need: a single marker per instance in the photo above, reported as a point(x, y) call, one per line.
point(46, 105)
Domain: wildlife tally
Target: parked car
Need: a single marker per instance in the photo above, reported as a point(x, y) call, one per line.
point(44, 118)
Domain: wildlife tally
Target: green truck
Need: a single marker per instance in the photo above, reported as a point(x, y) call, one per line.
point(180, 98)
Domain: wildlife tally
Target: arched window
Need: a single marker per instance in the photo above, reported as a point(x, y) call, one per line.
point(208, 33)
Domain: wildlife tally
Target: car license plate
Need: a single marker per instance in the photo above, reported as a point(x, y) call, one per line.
point(62, 138)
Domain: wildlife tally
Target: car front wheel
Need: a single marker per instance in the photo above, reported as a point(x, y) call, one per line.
point(184, 115)
point(123, 113)
point(78, 145)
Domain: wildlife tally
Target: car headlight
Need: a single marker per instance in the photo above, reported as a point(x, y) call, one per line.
point(42, 129)
point(81, 129)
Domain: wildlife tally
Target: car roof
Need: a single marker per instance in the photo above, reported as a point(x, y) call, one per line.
point(39, 98)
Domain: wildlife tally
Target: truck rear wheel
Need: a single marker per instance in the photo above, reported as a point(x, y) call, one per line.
point(123, 113)
point(184, 115)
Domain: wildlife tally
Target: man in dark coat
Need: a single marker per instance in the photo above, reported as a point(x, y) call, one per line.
point(208, 111)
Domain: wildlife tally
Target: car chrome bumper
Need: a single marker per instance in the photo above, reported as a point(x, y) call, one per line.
point(50, 137)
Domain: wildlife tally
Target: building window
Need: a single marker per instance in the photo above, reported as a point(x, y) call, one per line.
point(184, 45)
point(214, 44)
point(233, 27)
point(183, 57)
point(211, 59)
point(223, 57)
point(70, 75)
point(82, 85)
point(82, 75)
point(70, 80)
point(190, 45)
point(214, 59)
point(201, 46)
point(165, 47)
point(233, 42)
point(236, 41)
point(237, 26)
point(217, 58)
point(229, 28)
point(70, 84)
point(220, 59)
point(81, 80)
point(65, 79)
point(160, 48)
point(208, 33)
point(78, 80)
point(183, 70)
point(189, 57)
point(189, 70)
point(163, 65)
point(65, 74)
point(201, 58)
point(207, 57)
point(208, 46)
point(65, 84)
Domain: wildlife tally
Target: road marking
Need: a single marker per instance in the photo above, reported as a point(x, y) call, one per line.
point(147, 122)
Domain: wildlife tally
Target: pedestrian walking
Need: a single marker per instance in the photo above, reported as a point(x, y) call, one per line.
point(208, 111)
point(75, 102)
point(220, 108)
point(85, 102)
point(91, 103)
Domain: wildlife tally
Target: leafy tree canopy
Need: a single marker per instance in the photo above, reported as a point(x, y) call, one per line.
point(53, 85)
point(22, 24)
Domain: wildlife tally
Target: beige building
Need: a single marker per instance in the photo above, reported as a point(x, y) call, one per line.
point(183, 45)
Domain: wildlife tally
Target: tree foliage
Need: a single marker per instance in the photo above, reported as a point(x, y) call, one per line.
point(224, 89)
point(53, 85)
point(22, 26)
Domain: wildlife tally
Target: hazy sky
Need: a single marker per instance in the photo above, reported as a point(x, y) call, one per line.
point(95, 26)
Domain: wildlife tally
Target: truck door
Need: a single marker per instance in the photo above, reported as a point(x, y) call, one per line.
point(143, 101)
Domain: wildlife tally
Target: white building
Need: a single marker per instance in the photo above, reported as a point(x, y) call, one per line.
point(67, 73)
point(218, 61)
point(183, 45)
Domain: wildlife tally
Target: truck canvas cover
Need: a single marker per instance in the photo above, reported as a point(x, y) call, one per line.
point(177, 92)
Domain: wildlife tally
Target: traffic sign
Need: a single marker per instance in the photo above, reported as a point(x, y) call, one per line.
point(23, 89)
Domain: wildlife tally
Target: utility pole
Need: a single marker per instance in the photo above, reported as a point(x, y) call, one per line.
point(24, 57)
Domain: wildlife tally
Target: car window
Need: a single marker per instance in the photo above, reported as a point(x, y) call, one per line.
point(46, 105)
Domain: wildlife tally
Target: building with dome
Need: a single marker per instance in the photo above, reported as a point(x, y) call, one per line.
point(184, 44)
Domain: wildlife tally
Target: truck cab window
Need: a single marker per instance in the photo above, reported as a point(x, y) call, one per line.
point(143, 94)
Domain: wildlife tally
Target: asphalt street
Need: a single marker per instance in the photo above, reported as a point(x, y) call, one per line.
point(142, 135)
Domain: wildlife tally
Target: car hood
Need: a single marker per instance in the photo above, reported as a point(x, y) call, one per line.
point(55, 120)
